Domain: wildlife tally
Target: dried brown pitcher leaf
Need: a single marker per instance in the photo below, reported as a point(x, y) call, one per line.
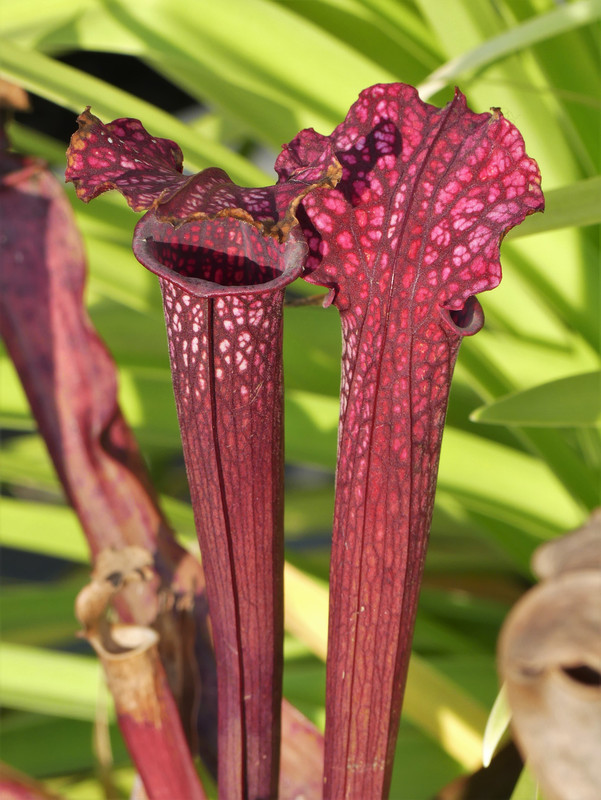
point(580, 549)
point(146, 711)
point(550, 659)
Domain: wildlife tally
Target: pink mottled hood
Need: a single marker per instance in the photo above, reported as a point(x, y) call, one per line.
point(405, 240)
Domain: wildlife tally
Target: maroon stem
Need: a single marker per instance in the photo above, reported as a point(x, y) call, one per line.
point(71, 383)
point(146, 713)
point(225, 347)
point(394, 396)
point(68, 375)
point(406, 239)
point(302, 757)
point(16, 786)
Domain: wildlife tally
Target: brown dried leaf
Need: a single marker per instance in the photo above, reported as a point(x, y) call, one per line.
point(146, 711)
point(550, 659)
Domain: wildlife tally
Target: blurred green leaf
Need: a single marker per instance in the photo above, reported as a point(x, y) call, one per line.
point(31, 19)
point(496, 727)
point(14, 402)
point(576, 205)
point(120, 278)
point(39, 613)
point(312, 343)
point(241, 58)
point(91, 787)
point(421, 766)
point(532, 31)
point(60, 684)
point(54, 530)
point(511, 84)
point(25, 462)
point(74, 89)
point(390, 33)
point(43, 528)
point(311, 428)
point(61, 749)
point(24, 139)
point(503, 478)
point(569, 402)
point(527, 787)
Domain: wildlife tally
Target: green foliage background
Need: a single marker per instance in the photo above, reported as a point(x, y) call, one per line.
point(522, 450)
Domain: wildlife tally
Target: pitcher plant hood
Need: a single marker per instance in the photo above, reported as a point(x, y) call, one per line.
point(404, 242)
point(224, 255)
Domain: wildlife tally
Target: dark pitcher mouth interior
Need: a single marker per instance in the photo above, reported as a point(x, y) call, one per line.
point(467, 320)
point(223, 251)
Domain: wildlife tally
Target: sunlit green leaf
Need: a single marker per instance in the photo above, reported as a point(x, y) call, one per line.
point(49, 682)
point(568, 402)
point(40, 613)
point(43, 528)
point(242, 59)
point(498, 722)
point(53, 746)
point(576, 205)
point(527, 787)
point(74, 89)
point(489, 472)
point(464, 27)
point(539, 28)
point(30, 19)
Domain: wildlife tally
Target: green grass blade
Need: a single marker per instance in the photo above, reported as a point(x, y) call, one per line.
point(512, 84)
point(537, 29)
point(74, 89)
point(32, 19)
point(496, 726)
point(576, 205)
point(246, 62)
point(527, 787)
point(568, 402)
point(40, 613)
point(49, 682)
point(51, 530)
